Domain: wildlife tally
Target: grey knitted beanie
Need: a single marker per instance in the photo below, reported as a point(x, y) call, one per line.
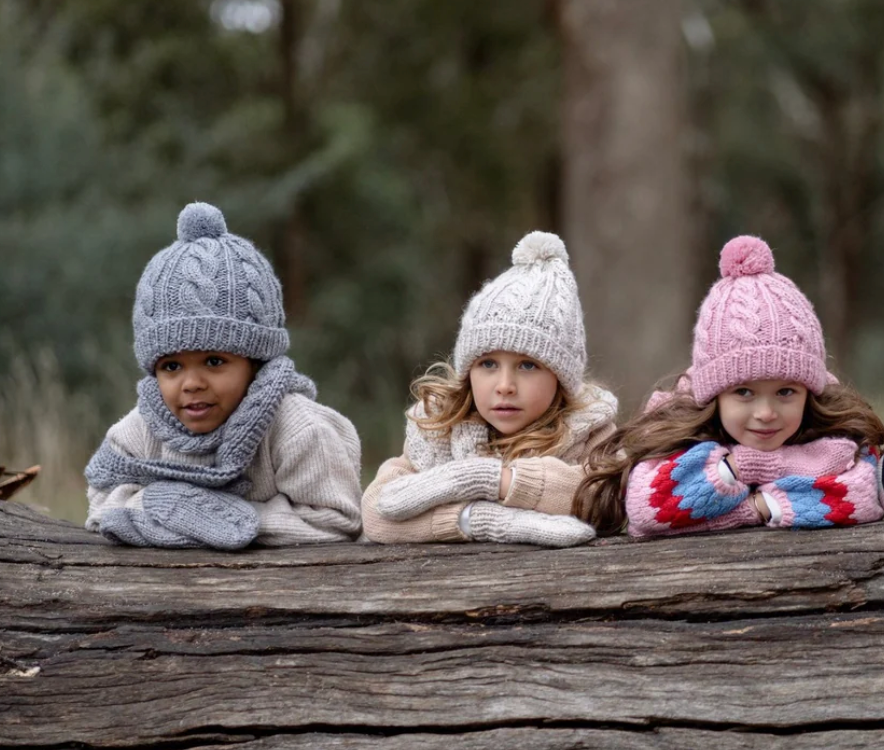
point(209, 291)
point(532, 309)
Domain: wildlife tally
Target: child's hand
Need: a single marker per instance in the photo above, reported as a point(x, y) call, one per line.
point(490, 522)
point(134, 527)
point(823, 457)
point(453, 482)
point(213, 518)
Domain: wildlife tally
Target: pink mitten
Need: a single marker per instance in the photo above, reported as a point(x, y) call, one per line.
point(822, 457)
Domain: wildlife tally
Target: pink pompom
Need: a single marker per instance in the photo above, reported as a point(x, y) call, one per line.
point(745, 256)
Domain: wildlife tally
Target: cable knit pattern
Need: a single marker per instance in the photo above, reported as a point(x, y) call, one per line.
point(456, 481)
point(215, 519)
point(533, 309)
point(674, 495)
point(490, 522)
point(302, 481)
point(152, 482)
point(209, 291)
point(546, 485)
point(137, 529)
point(755, 324)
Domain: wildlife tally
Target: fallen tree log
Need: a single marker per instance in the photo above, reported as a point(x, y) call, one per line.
point(751, 639)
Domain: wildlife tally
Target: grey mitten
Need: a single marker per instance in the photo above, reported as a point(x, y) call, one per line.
point(214, 518)
point(490, 522)
point(456, 481)
point(135, 528)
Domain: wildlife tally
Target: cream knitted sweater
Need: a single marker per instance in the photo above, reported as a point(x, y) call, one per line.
point(543, 484)
point(305, 474)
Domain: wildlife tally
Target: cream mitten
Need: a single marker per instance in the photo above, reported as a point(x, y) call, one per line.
point(490, 522)
point(453, 482)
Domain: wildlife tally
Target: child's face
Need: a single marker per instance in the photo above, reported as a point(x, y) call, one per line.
point(762, 414)
point(511, 390)
point(203, 389)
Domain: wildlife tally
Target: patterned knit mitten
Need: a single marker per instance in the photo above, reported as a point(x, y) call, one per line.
point(215, 519)
point(490, 522)
point(135, 528)
point(456, 481)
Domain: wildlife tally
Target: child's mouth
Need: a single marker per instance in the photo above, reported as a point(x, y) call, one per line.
point(197, 410)
point(764, 433)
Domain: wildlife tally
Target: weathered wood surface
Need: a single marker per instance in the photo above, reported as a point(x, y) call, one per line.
point(754, 639)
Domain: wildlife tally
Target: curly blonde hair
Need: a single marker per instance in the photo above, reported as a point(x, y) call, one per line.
point(448, 400)
point(679, 423)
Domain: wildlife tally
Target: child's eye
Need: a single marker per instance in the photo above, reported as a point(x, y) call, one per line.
point(214, 361)
point(786, 392)
point(742, 392)
point(528, 365)
point(170, 366)
point(487, 364)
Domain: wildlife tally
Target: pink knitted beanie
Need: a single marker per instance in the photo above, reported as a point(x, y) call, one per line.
point(755, 324)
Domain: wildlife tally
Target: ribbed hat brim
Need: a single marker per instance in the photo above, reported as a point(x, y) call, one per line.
point(208, 334)
point(757, 363)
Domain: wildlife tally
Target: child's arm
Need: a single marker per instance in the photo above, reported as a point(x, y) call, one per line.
point(316, 460)
point(101, 501)
point(459, 481)
point(816, 500)
point(823, 457)
point(543, 484)
point(489, 521)
point(439, 524)
point(691, 491)
point(128, 437)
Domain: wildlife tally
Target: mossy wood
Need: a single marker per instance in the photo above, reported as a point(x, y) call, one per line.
point(768, 639)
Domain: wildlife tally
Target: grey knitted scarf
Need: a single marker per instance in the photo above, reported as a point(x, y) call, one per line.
point(234, 443)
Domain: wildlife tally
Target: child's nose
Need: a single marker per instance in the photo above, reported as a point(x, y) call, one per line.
point(506, 383)
point(194, 381)
point(765, 411)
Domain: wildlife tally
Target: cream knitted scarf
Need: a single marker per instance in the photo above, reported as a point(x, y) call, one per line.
point(426, 449)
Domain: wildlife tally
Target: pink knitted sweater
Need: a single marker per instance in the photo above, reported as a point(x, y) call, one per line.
point(815, 485)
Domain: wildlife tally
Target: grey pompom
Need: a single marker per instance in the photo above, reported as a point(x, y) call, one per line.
point(198, 220)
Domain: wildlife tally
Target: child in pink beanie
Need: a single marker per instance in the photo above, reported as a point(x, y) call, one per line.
point(755, 432)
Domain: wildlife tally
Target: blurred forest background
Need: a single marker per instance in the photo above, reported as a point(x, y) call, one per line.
point(387, 155)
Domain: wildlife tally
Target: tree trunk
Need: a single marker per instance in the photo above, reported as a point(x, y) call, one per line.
point(749, 639)
point(625, 195)
point(293, 239)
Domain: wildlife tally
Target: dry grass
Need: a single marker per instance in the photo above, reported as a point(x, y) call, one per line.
point(43, 422)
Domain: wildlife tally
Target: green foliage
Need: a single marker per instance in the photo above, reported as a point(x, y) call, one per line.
point(404, 144)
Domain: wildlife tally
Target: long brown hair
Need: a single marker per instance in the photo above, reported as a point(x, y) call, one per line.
point(679, 422)
point(448, 400)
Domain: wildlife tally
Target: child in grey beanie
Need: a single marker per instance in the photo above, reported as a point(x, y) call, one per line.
point(227, 445)
point(494, 443)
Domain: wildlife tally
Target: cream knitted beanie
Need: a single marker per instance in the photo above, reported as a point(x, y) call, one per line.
point(531, 309)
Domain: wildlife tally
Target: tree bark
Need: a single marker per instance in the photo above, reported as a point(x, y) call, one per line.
point(625, 195)
point(749, 639)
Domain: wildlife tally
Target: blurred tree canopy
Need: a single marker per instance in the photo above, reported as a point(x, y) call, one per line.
point(387, 156)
